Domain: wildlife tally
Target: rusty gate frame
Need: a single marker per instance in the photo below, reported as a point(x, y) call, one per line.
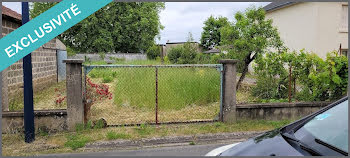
point(219, 67)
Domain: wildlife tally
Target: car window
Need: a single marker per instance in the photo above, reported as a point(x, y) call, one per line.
point(330, 126)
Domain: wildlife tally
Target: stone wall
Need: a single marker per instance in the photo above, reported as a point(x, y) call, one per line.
point(56, 120)
point(44, 64)
point(123, 56)
point(278, 111)
point(45, 120)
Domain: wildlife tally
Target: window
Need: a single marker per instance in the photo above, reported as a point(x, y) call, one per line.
point(344, 19)
point(344, 52)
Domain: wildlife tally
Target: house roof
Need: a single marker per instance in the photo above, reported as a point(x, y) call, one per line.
point(10, 13)
point(277, 5)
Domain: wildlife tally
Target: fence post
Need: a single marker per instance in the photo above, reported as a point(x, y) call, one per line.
point(229, 90)
point(75, 106)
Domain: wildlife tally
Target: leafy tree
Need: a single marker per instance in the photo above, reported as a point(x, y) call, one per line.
point(211, 31)
point(125, 27)
point(251, 35)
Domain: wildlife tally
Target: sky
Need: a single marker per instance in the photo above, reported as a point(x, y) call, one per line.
point(180, 18)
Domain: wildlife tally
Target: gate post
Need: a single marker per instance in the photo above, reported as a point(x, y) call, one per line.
point(74, 88)
point(229, 90)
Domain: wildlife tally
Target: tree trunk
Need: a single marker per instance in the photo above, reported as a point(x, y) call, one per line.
point(247, 61)
point(245, 70)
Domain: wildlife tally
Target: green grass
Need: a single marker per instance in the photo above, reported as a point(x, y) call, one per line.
point(13, 144)
point(177, 87)
point(43, 99)
point(76, 141)
point(111, 135)
point(107, 79)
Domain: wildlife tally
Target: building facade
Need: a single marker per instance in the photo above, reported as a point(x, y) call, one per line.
point(44, 62)
point(318, 27)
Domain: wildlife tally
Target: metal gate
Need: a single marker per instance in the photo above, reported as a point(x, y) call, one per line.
point(156, 94)
point(61, 67)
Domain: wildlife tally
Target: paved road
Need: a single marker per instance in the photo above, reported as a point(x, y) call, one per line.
point(179, 150)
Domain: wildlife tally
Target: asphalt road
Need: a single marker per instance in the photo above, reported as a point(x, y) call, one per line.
point(178, 150)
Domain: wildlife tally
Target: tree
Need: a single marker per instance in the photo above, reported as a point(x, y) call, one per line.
point(125, 27)
point(251, 35)
point(211, 31)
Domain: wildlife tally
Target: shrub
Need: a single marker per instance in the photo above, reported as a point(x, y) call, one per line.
point(153, 52)
point(183, 54)
point(320, 79)
point(269, 88)
point(70, 51)
point(324, 80)
point(102, 55)
point(174, 54)
point(202, 58)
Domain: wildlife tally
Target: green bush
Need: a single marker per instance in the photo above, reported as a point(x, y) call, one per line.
point(183, 54)
point(102, 56)
point(153, 52)
point(324, 80)
point(269, 88)
point(70, 51)
point(174, 54)
point(320, 80)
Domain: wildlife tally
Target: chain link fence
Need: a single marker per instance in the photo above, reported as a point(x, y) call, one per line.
point(135, 94)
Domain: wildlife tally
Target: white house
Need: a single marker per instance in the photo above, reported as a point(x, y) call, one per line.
point(319, 27)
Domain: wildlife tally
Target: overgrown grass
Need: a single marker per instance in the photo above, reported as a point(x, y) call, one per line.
point(14, 145)
point(111, 135)
point(76, 141)
point(43, 99)
point(177, 87)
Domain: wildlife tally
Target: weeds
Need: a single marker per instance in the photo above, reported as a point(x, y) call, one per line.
point(76, 141)
point(145, 130)
point(107, 79)
point(113, 135)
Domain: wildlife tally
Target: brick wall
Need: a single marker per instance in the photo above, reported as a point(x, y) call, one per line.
point(44, 64)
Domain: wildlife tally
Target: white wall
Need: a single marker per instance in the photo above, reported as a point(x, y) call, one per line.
point(315, 26)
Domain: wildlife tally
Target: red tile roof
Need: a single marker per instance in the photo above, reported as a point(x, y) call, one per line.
point(8, 12)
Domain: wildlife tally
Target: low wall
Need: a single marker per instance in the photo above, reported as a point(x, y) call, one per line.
point(278, 111)
point(55, 120)
point(124, 56)
point(47, 120)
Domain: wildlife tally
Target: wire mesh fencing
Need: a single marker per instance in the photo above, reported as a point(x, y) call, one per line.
point(155, 94)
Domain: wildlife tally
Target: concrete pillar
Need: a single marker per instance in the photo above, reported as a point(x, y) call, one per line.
point(4, 90)
point(75, 106)
point(229, 90)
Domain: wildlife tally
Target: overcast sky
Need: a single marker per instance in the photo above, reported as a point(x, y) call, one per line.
point(180, 18)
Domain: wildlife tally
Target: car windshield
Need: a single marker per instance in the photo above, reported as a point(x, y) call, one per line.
point(330, 126)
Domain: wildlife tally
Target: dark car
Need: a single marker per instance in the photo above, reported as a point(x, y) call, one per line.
point(324, 133)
